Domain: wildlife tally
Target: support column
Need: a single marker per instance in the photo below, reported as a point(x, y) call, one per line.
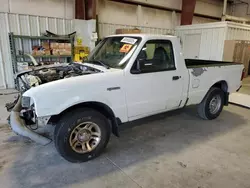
point(90, 9)
point(80, 9)
point(187, 12)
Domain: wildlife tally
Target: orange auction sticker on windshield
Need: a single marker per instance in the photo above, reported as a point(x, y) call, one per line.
point(125, 48)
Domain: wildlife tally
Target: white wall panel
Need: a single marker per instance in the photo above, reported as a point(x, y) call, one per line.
point(106, 29)
point(51, 8)
point(205, 7)
point(114, 15)
point(117, 13)
point(155, 18)
point(200, 20)
point(5, 64)
point(208, 7)
point(65, 8)
point(241, 9)
point(175, 4)
point(126, 14)
point(85, 29)
point(24, 25)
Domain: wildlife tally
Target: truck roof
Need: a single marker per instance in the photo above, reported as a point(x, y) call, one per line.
point(144, 36)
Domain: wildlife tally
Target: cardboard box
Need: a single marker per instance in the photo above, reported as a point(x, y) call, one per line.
point(54, 45)
point(39, 52)
point(45, 45)
point(47, 52)
point(67, 45)
point(55, 51)
point(36, 48)
point(127, 31)
point(237, 51)
point(61, 45)
point(64, 52)
point(34, 52)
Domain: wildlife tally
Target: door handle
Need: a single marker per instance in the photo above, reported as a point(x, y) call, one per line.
point(176, 77)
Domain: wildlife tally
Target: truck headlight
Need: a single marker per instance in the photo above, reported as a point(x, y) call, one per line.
point(25, 102)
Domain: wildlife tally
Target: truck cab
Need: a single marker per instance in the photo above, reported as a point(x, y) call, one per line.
point(156, 78)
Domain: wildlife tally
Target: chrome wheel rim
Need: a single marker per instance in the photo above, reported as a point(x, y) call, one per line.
point(215, 104)
point(85, 137)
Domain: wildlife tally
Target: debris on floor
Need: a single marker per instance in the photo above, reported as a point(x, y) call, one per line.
point(182, 164)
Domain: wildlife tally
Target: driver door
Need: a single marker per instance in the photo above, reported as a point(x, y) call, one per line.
point(154, 88)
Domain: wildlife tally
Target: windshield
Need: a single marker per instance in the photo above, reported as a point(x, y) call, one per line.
point(114, 52)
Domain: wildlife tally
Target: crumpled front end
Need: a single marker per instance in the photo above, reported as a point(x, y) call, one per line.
point(20, 127)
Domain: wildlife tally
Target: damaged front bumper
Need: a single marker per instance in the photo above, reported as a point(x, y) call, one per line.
point(19, 127)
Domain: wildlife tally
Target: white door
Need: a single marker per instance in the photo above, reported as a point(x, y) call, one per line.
point(158, 87)
point(191, 46)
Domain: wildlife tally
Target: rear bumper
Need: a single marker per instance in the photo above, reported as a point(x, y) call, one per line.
point(19, 127)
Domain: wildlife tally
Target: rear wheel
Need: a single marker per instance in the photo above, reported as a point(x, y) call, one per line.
point(212, 105)
point(82, 135)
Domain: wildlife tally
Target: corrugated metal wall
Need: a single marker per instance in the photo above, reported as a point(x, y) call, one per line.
point(238, 33)
point(24, 25)
point(106, 29)
point(212, 44)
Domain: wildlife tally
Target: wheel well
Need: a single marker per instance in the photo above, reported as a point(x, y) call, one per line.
point(224, 87)
point(100, 107)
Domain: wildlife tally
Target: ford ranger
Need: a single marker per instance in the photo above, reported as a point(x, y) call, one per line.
point(126, 77)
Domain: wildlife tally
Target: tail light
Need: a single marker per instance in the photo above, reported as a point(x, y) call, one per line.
point(243, 74)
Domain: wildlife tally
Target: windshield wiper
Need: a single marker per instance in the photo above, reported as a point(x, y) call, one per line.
point(100, 63)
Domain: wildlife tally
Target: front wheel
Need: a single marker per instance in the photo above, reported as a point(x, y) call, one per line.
point(82, 135)
point(212, 105)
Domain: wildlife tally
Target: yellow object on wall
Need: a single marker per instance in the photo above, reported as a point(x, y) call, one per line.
point(79, 41)
point(81, 52)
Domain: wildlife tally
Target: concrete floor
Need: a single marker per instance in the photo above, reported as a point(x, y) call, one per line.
point(243, 96)
point(245, 86)
point(175, 149)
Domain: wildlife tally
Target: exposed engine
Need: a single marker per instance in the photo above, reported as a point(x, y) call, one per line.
point(45, 74)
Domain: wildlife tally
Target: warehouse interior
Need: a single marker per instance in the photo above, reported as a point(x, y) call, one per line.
point(45, 43)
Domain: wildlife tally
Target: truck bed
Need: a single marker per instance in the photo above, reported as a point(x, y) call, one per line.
point(193, 63)
point(203, 74)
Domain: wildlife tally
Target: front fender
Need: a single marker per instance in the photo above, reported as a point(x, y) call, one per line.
point(55, 97)
point(57, 106)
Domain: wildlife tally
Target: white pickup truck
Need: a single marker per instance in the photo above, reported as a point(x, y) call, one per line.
point(126, 77)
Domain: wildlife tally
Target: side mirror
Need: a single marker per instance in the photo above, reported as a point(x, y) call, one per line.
point(139, 63)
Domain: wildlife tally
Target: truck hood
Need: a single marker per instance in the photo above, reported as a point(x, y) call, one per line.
point(50, 73)
point(64, 84)
point(61, 94)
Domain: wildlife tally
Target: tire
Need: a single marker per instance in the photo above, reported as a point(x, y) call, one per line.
point(69, 125)
point(204, 109)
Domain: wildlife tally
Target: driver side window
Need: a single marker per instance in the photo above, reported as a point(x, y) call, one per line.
point(156, 55)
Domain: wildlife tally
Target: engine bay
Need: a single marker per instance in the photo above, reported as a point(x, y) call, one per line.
point(41, 75)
